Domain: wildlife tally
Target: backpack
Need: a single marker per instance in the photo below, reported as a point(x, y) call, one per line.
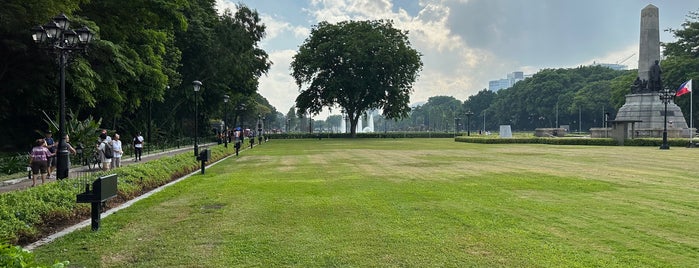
point(108, 150)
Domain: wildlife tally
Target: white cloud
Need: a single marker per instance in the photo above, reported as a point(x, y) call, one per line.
point(278, 86)
point(222, 5)
point(465, 43)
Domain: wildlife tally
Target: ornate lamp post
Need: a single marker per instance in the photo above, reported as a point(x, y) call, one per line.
point(225, 120)
point(197, 86)
point(457, 123)
point(468, 122)
point(259, 129)
point(665, 96)
point(56, 37)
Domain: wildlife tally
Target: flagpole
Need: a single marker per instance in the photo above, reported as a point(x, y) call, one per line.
point(691, 119)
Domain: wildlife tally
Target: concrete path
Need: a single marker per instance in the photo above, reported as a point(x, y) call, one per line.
point(75, 171)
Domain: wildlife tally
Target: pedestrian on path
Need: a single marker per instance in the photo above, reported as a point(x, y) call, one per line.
point(51, 145)
point(118, 151)
point(104, 157)
point(138, 147)
point(38, 160)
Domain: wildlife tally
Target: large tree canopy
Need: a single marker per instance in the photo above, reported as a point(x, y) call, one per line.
point(358, 66)
point(138, 69)
point(682, 62)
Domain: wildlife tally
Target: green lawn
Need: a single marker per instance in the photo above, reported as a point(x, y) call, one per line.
point(411, 203)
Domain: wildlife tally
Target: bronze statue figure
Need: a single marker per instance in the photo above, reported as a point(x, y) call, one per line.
point(654, 82)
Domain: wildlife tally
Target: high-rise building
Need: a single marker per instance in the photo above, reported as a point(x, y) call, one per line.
point(512, 78)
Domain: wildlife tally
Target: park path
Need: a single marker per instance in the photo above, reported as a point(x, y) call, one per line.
point(25, 182)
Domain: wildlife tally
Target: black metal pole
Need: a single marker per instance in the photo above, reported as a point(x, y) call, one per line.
point(468, 125)
point(62, 167)
point(196, 146)
point(150, 115)
point(95, 215)
point(665, 145)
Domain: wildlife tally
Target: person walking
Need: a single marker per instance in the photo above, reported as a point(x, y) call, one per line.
point(52, 146)
point(101, 148)
point(38, 160)
point(118, 151)
point(138, 147)
point(71, 150)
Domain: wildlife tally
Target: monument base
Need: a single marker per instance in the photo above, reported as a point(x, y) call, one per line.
point(649, 111)
point(644, 133)
point(549, 132)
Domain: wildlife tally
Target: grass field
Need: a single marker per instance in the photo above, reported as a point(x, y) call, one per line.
point(411, 203)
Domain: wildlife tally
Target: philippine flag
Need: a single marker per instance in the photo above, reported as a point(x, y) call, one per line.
point(684, 88)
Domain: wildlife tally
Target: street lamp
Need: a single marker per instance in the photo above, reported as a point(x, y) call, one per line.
point(225, 120)
point(665, 97)
point(468, 122)
point(56, 37)
point(456, 126)
point(197, 86)
point(259, 129)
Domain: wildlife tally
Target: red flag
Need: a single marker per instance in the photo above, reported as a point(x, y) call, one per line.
point(684, 88)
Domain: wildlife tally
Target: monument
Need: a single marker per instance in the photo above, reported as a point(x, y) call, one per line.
point(643, 110)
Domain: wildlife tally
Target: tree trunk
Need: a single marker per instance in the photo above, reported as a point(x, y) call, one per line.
point(353, 126)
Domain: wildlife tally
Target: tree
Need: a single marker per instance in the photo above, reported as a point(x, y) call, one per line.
point(682, 62)
point(334, 122)
point(358, 66)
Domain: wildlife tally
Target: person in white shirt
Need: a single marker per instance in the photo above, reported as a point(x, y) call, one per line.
point(138, 147)
point(118, 151)
point(106, 162)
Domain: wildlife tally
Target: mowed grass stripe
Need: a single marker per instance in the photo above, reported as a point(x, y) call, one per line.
point(411, 202)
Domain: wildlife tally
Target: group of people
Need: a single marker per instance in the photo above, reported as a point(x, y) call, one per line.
point(107, 145)
point(43, 160)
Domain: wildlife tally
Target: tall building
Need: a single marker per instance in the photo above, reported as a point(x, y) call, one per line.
point(512, 78)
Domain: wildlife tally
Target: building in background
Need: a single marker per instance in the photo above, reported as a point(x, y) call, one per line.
point(512, 78)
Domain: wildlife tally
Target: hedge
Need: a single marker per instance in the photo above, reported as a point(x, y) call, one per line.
point(374, 135)
point(574, 141)
point(30, 214)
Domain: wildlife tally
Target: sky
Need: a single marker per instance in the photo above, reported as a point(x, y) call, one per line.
point(466, 43)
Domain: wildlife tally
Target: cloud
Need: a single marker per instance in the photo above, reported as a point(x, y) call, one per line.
point(278, 86)
point(466, 43)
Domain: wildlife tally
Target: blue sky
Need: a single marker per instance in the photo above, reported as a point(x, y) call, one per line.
point(466, 43)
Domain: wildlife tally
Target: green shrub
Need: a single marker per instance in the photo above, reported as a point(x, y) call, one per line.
point(535, 140)
point(13, 164)
point(16, 256)
point(30, 214)
point(375, 135)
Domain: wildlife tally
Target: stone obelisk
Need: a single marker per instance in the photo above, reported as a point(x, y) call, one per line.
point(643, 105)
point(649, 43)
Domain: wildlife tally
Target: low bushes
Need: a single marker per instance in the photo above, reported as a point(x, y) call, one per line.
point(28, 215)
point(556, 141)
point(574, 141)
point(374, 135)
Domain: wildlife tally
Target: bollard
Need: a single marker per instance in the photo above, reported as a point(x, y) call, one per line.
point(204, 156)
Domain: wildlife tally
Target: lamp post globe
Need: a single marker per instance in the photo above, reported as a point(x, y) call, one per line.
point(197, 86)
point(56, 37)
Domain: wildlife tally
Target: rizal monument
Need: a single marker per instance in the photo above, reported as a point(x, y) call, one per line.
point(643, 113)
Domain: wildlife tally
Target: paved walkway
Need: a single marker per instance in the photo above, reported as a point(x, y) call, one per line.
point(25, 182)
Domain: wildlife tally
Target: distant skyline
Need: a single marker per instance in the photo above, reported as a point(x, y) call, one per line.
point(466, 43)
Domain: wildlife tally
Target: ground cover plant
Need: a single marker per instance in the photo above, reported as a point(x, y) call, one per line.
point(411, 203)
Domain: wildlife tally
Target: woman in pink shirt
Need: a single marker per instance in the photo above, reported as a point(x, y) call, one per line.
point(38, 160)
